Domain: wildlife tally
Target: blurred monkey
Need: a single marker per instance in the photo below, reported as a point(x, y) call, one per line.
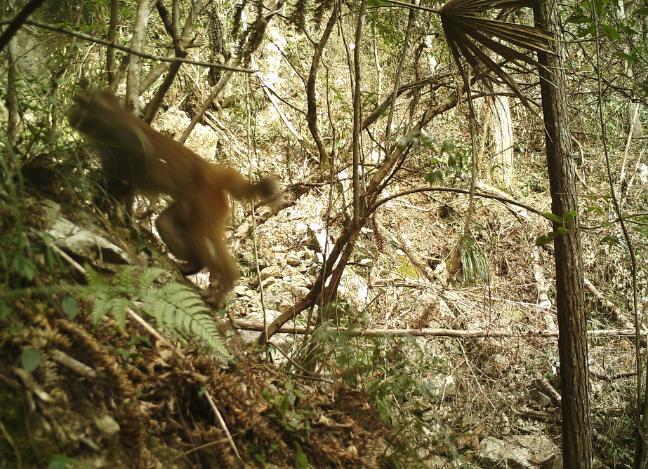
point(137, 158)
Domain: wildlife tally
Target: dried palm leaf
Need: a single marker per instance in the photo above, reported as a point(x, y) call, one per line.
point(468, 33)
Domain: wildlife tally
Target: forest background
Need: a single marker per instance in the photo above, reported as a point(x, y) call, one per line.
point(400, 300)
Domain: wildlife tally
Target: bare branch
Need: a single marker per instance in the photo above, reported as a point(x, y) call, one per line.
point(310, 86)
point(484, 195)
point(145, 55)
point(435, 332)
point(17, 22)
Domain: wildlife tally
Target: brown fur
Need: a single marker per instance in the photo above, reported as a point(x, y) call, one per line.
point(137, 158)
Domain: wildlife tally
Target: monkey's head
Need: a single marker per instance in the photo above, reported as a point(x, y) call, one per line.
point(94, 112)
point(99, 116)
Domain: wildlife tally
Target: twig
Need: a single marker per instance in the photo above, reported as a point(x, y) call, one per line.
point(311, 99)
point(273, 101)
point(437, 332)
point(484, 195)
point(73, 364)
point(86, 37)
point(223, 425)
point(413, 6)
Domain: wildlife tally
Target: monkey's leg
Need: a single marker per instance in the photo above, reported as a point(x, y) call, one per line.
point(172, 225)
point(214, 254)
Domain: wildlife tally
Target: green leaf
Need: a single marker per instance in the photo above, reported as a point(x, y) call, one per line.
point(70, 306)
point(544, 239)
point(643, 11)
point(4, 310)
point(434, 176)
point(610, 240)
point(552, 217)
point(426, 138)
point(30, 359)
point(585, 32)
point(60, 461)
point(579, 19)
point(611, 33)
point(446, 147)
point(595, 209)
point(571, 216)
point(24, 267)
point(301, 460)
point(630, 58)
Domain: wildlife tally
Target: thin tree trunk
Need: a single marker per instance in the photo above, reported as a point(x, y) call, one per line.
point(144, 9)
point(13, 119)
point(502, 128)
point(572, 342)
point(112, 37)
point(357, 115)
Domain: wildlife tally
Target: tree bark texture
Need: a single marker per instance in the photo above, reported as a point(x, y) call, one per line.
point(144, 8)
point(572, 342)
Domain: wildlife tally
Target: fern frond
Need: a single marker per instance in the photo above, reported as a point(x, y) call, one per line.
point(174, 306)
point(126, 279)
point(93, 278)
point(177, 307)
point(149, 276)
point(100, 308)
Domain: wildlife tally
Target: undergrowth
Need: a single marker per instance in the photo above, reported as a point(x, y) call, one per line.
point(174, 306)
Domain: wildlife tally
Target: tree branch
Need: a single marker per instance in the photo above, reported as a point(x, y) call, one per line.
point(484, 195)
point(145, 55)
point(17, 22)
point(434, 332)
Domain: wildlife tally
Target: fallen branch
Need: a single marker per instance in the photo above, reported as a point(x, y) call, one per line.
point(613, 309)
point(433, 332)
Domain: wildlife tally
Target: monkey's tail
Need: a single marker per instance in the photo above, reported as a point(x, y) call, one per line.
point(242, 189)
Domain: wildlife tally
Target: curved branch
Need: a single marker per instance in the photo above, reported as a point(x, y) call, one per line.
point(311, 102)
point(484, 195)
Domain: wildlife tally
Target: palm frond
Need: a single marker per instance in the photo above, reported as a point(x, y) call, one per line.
point(470, 34)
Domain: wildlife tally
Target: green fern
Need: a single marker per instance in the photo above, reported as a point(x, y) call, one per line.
point(179, 308)
point(174, 306)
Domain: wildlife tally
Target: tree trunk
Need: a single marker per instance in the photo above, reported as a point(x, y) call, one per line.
point(502, 129)
point(572, 342)
point(144, 8)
